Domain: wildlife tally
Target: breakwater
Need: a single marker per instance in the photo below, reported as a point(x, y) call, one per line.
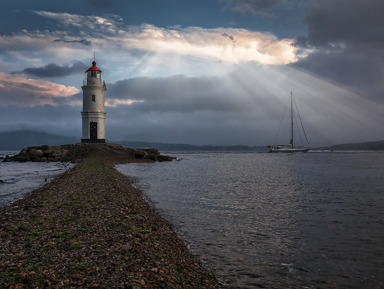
point(90, 228)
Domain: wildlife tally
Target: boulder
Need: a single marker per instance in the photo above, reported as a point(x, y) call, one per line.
point(47, 148)
point(35, 154)
point(153, 151)
point(21, 158)
point(140, 154)
point(163, 158)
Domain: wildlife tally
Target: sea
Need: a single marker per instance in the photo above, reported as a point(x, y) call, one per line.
point(17, 179)
point(261, 220)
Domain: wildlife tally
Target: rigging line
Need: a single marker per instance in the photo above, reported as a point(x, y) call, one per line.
point(302, 126)
point(298, 129)
point(278, 133)
point(297, 125)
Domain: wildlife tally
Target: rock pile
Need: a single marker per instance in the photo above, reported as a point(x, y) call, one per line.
point(40, 154)
point(75, 152)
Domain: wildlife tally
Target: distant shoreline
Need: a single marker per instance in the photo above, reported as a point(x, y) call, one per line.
point(16, 140)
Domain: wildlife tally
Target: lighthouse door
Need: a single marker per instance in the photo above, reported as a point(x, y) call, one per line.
point(93, 130)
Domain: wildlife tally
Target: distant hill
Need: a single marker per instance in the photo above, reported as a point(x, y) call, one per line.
point(18, 140)
point(364, 146)
point(367, 146)
point(187, 147)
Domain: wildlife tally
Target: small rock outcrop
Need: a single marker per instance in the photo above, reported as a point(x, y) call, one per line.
point(74, 152)
point(40, 154)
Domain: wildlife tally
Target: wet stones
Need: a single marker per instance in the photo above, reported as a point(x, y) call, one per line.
point(75, 152)
point(40, 154)
point(151, 154)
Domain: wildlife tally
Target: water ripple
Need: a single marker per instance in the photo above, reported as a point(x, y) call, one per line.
point(276, 221)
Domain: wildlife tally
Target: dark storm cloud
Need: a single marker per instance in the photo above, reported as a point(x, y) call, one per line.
point(82, 42)
point(301, 42)
point(244, 106)
point(347, 38)
point(229, 36)
point(178, 93)
point(353, 67)
point(54, 70)
point(5, 34)
point(348, 21)
point(241, 104)
point(198, 110)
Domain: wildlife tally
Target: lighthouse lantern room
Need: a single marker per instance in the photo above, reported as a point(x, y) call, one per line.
point(93, 114)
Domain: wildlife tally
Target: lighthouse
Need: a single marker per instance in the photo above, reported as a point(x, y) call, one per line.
point(93, 114)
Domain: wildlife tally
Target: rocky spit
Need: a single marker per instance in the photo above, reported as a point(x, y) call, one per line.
point(74, 152)
point(90, 228)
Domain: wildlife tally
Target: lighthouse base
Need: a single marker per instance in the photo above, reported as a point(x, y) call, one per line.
point(92, 140)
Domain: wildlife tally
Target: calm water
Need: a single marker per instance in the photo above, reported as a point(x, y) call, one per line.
point(17, 179)
point(312, 220)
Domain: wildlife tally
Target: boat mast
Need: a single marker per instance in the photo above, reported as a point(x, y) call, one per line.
point(291, 121)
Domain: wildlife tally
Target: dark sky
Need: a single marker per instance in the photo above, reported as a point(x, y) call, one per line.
point(199, 72)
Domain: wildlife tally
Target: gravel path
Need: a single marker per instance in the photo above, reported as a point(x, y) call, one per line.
point(90, 228)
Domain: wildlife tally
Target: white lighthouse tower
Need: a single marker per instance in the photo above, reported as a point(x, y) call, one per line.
point(93, 113)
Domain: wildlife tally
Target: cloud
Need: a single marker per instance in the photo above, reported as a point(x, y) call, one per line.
point(20, 91)
point(177, 93)
point(98, 24)
point(145, 49)
point(345, 22)
point(120, 102)
point(301, 42)
point(252, 6)
point(38, 48)
point(350, 67)
point(54, 70)
point(82, 41)
point(347, 44)
point(242, 45)
point(227, 35)
point(244, 106)
point(240, 100)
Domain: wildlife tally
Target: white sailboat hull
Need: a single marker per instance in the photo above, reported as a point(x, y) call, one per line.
point(287, 150)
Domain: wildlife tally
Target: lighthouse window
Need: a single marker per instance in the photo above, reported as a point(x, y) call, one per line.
point(93, 97)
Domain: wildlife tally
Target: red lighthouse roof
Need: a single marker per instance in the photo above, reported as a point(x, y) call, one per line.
point(93, 67)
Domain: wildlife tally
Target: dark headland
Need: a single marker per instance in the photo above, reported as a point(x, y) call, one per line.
point(90, 228)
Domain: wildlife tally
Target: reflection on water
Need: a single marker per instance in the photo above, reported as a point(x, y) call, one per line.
point(276, 221)
point(17, 179)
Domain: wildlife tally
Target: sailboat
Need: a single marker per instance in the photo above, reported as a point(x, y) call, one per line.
point(291, 148)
